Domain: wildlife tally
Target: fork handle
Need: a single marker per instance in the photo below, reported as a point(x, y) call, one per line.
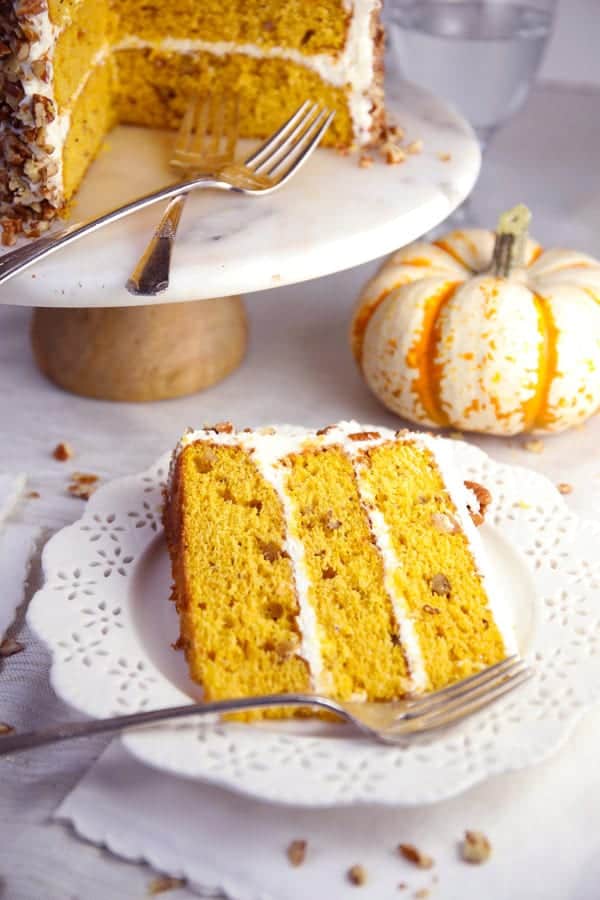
point(16, 261)
point(151, 274)
point(14, 743)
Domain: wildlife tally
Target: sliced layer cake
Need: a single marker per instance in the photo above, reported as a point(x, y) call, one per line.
point(343, 561)
point(71, 69)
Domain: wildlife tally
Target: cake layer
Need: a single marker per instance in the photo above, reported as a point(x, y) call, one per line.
point(435, 570)
point(77, 49)
point(367, 537)
point(234, 585)
point(153, 86)
point(361, 649)
point(90, 119)
point(309, 27)
point(61, 12)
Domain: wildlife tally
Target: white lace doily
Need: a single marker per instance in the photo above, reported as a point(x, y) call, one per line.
point(105, 614)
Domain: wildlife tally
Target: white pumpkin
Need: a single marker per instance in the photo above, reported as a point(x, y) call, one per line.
point(443, 339)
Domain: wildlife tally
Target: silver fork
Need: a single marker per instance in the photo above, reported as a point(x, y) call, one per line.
point(393, 723)
point(205, 142)
point(265, 171)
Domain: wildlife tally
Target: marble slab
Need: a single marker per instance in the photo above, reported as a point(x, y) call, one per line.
point(333, 215)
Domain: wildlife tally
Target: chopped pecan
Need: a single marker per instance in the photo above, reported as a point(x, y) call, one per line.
point(440, 584)
point(364, 436)
point(62, 452)
point(357, 875)
point(484, 498)
point(415, 856)
point(296, 852)
point(476, 847)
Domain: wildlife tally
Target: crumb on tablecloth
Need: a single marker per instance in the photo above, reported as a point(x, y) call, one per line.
point(534, 446)
point(296, 852)
point(475, 847)
point(413, 854)
point(165, 883)
point(62, 452)
point(83, 485)
point(10, 647)
point(357, 875)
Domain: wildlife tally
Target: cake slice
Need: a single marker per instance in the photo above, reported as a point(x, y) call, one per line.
point(343, 561)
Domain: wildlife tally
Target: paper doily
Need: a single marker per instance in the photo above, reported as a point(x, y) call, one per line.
point(104, 612)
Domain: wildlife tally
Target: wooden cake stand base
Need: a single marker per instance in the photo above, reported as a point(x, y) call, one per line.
point(140, 353)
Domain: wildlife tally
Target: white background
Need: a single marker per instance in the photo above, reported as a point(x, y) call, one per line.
point(573, 51)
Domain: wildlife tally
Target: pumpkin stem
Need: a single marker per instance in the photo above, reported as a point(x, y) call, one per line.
point(511, 240)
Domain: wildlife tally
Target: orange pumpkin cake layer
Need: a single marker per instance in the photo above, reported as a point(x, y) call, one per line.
point(273, 54)
point(344, 562)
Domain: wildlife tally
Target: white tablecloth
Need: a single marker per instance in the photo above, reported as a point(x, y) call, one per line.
point(545, 823)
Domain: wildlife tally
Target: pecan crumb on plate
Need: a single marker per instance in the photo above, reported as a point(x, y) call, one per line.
point(564, 487)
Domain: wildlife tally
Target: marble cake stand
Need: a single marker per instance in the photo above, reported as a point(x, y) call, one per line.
point(92, 337)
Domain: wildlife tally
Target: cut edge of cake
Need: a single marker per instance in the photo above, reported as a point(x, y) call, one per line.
point(328, 668)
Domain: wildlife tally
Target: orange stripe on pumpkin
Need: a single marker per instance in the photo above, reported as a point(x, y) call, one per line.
point(451, 251)
point(422, 355)
point(536, 411)
point(535, 255)
point(418, 261)
point(595, 297)
point(364, 315)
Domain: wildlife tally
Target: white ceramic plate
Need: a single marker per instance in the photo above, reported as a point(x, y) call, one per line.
point(104, 613)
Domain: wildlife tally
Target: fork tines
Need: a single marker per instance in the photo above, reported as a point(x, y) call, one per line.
point(208, 130)
point(441, 708)
point(209, 119)
point(291, 144)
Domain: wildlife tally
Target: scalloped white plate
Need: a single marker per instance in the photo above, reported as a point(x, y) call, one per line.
point(105, 615)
